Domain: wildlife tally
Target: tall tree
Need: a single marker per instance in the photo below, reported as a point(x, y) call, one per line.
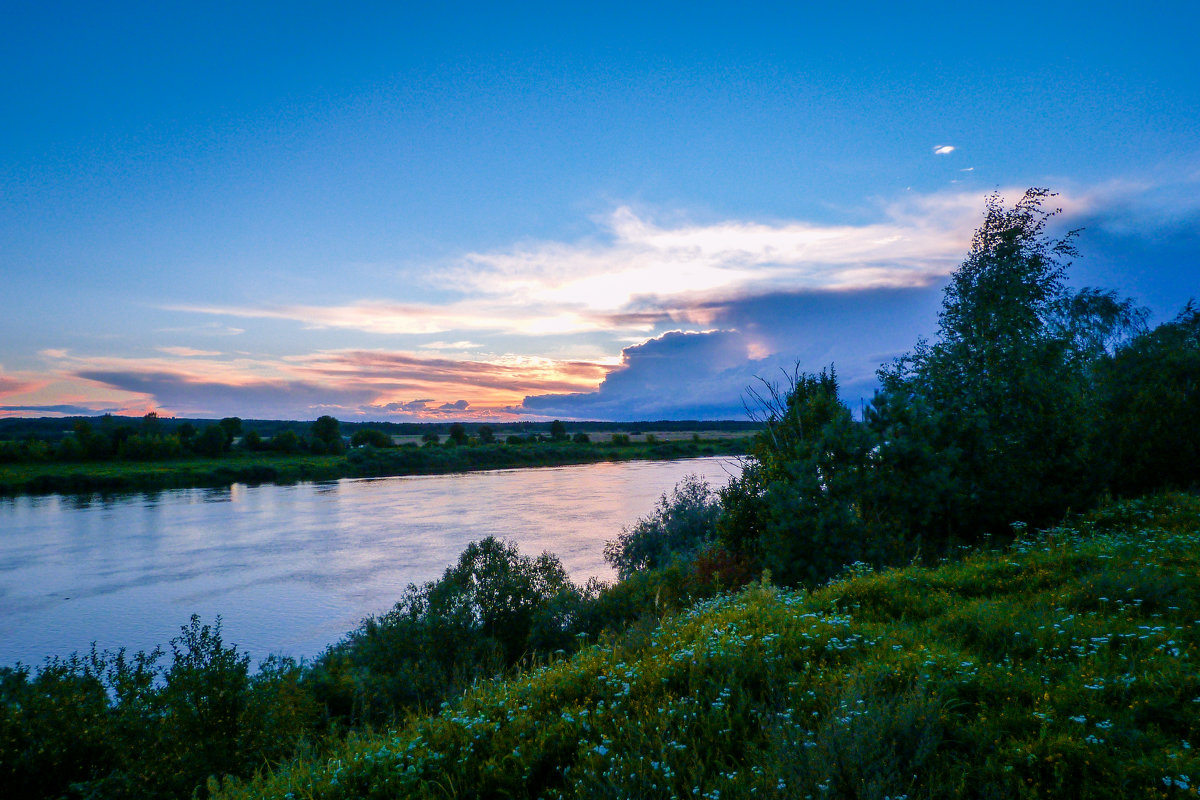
point(325, 431)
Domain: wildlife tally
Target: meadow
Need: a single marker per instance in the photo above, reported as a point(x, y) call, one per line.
point(1063, 665)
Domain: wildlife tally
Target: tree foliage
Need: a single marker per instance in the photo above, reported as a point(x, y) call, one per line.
point(1034, 399)
point(326, 436)
point(680, 525)
point(485, 613)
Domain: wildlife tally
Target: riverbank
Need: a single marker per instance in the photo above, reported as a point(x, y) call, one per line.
point(1062, 666)
point(264, 467)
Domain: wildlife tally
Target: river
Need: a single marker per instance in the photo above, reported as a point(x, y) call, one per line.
point(290, 569)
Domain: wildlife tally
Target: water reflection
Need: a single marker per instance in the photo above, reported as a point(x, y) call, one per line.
point(290, 568)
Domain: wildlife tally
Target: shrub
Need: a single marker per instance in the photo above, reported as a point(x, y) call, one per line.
point(485, 614)
point(681, 523)
point(371, 437)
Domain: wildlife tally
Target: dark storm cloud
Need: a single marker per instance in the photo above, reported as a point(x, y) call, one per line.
point(256, 398)
point(71, 410)
point(706, 375)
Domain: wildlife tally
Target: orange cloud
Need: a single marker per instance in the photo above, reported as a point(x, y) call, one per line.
point(350, 383)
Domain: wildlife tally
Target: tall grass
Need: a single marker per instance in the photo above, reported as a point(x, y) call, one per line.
point(1062, 666)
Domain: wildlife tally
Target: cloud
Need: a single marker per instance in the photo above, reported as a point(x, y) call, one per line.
point(634, 274)
point(354, 383)
point(412, 406)
point(944, 149)
point(206, 329)
point(63, 409)
point(680, 375)
point(187, 352)
point(704, 375)
point(700, 309)
point(10, 385)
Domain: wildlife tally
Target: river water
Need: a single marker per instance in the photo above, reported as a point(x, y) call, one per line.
point(291, 569)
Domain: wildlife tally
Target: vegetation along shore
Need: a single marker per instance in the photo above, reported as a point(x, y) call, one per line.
point(985, 587)
point(107, 454)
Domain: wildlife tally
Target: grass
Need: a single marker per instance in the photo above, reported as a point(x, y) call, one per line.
point(1063, 666)
point(256, 468)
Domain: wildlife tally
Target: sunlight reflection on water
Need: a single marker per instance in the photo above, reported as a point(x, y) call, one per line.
point(291, 568)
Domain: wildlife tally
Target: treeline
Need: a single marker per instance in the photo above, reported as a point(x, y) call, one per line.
point(25, 440)
point(152, 440)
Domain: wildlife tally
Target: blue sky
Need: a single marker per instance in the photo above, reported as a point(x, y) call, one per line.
point(617, 211)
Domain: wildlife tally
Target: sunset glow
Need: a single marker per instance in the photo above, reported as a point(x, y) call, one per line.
point(388, 217)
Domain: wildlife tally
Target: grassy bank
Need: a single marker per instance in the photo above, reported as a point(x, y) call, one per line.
point(265, 467)
point(1063, 666)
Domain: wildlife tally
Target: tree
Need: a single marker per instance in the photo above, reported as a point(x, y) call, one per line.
point(1151, 407)
point(371, 437)
point(1008, 398)
point(232, 427)
point(212, 441)
point(558, 431)
point(680, 525)
point(186, 432)
point(486, 434)
point(996, 421)
point(325, 432)
point(286, 441)
point(458, 433)
point(490, 609)
point(95, 446)
point(802, 508)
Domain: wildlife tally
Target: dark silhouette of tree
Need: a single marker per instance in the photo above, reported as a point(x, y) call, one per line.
point(212, 441)
point(325, 431)
point(371, 437)
point(232, 427)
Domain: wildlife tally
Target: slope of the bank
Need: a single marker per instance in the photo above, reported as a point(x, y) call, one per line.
point(1064, 666)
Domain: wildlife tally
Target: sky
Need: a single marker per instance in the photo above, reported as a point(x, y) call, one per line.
point(497, 212)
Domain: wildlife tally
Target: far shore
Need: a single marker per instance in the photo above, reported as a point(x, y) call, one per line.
point(88, 477)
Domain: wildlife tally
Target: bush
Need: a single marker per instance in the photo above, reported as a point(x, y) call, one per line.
point(112, 726)
point(371, 437)
point(682, 522)
point(485, 614)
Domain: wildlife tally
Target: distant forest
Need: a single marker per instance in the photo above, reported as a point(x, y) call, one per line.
point(53, 429)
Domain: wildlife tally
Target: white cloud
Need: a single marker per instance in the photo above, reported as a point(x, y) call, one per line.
point(944, 149)
point(187, 352)
point(635, 274)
